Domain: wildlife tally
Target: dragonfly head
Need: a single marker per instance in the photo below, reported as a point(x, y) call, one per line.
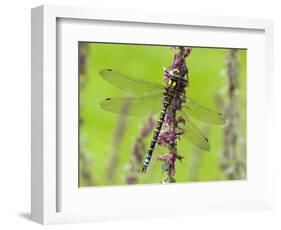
point(176, 75)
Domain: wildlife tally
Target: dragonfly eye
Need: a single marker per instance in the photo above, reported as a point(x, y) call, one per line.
point(176, 71)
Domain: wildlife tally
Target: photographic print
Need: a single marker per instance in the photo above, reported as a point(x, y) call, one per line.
point(151, 114)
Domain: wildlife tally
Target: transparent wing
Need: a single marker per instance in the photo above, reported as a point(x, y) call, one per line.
point(194, 135)
point(129, 84)
point(137, 106)
point(201, 113)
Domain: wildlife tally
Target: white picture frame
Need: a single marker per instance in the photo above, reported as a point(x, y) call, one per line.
point(55, 196)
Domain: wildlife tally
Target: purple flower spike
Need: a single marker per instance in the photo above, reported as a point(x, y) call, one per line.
point(171, 131)
point(179, 60)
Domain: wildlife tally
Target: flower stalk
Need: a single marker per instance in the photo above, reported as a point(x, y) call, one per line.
point(171, 131)
point(85, 158)
point(233, 149)
point(137, 151)
point(118, 136)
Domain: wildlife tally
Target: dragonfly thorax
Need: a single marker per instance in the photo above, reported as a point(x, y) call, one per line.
point(171, 87)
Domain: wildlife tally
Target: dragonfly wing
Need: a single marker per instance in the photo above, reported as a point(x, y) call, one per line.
point(129, 84)
point(202, 113)
point(194, 135)
point(137, 106)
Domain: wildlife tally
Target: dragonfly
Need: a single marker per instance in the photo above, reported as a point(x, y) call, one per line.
point(148, 97)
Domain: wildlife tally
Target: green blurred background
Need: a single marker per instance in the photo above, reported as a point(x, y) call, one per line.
point(208, 82)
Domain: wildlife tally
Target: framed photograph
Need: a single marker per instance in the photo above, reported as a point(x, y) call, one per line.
point(140, 115)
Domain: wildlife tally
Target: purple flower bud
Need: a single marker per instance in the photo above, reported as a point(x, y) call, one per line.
point(186, 51)
point(166, 137)
point(169, 159)
point(167, 119)
point(167, 75)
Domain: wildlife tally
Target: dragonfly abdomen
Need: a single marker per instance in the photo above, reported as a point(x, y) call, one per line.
point(156, 132)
